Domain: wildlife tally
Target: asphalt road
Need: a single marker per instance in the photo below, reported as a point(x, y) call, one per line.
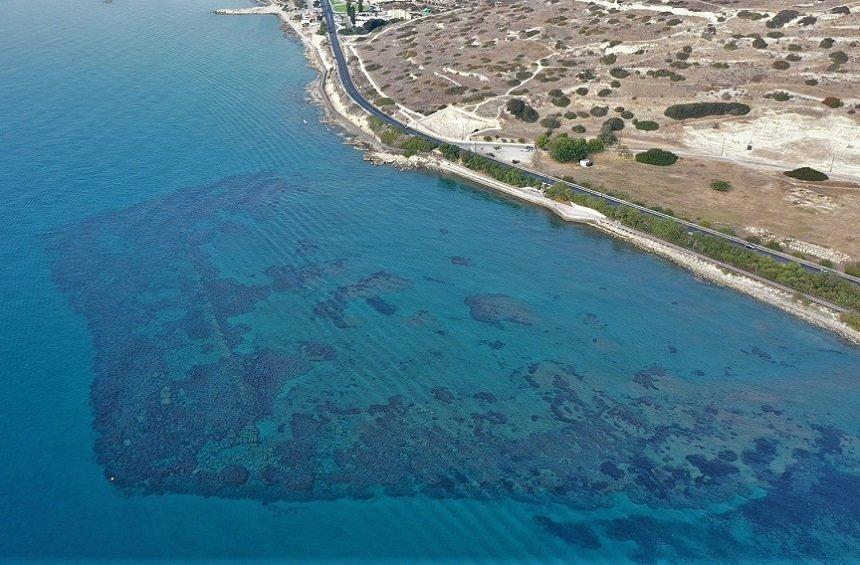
point(358, 98)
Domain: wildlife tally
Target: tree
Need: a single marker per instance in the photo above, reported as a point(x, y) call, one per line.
point(350, 11)
point(373, 23)
point(657, 157)
point(595, 145)
point(360, 5)
point(806, 173)
point(559, 192)
point(543, 139)
point(564, 149)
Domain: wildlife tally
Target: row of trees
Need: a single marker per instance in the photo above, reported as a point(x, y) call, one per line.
point(499, 171)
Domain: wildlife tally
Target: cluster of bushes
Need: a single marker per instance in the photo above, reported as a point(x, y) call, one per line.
point(666, 73)
point(388, 135)
point(365, 28)
point(393, 137)
point(560, 192)
point(558, 98)
point(519, 109)
point(657, 157)
point(779, 96)
point(450, 152)
point(827, 286)
point(565, 149)
point(781, 18)
point(414, 145)
point(703, 109)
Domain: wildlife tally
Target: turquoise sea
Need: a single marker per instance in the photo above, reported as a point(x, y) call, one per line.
point(223, 334)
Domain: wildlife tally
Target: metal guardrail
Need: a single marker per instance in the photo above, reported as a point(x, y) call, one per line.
point(358, 98)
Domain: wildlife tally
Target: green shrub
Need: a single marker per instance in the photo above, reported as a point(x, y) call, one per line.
point(614, 124)
point(807, 174)
point(561, 101)
point(595, 145)
point(500, 172)
point(388, 135)
point(647, 125)
point(853, 269)
point(416, 144)
point(450, 152)
point(721, 185)
point(380, 102)
point(838, 57)
point(559, 192)
point(565, 149)
point(781, 18)
point(852, 319)
point(703, 109)
point(609, 59)
point(657, 157)
point(832, 102)
point(550, 122)
point(519, 109)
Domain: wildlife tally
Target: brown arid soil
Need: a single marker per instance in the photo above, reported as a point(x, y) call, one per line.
point(825, 213)
point(578, 63)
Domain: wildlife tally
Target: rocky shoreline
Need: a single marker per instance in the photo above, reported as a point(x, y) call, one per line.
point(340, 111)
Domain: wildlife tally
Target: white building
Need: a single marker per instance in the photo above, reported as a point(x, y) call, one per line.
point(397, 14)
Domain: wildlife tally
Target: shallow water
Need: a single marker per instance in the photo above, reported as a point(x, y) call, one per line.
point(224, 334)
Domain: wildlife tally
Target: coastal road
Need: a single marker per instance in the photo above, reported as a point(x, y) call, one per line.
point(360, 100)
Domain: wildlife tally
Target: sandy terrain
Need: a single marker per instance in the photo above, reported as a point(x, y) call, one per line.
point(824, 214)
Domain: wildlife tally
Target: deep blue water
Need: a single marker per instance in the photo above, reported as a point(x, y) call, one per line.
point(223, 334)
